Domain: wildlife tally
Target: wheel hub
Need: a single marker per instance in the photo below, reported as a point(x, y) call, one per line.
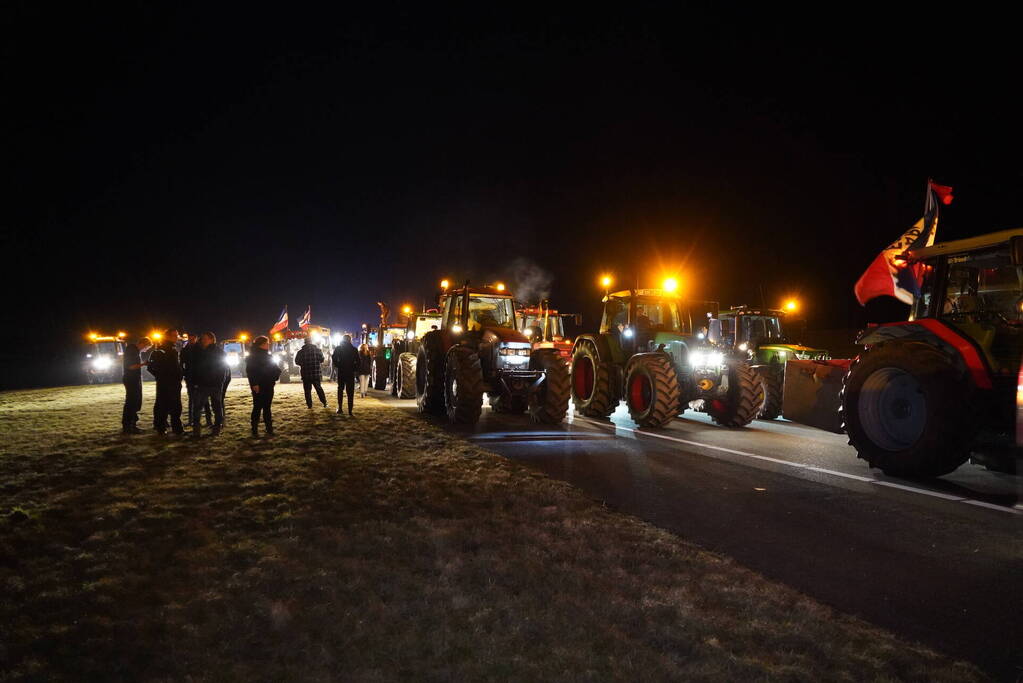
point(892, 409)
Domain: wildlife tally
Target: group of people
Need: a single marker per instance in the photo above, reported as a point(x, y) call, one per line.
point(202, 365)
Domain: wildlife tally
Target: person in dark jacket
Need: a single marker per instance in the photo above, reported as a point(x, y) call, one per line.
point(346, 360)
point(206, 381)
point(165, 366)
point(188, 353)
point(132, 377)
point(310, 359)
point(263, 373)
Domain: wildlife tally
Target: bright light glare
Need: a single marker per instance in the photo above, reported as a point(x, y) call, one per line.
point(791, 305)
point(606, 281)
point(232, 360)
point(315, 336)
point(93, 335)
point(243, 336)
point(102, 363)
point(336, 338)
point(444, 284)
point(670, 284)
point(457, 329)
point(500, 286)
point(706, 359)
point(744, 346)
point(627, 332)
point(411, 334)
point(406, 309)
point(155, 336)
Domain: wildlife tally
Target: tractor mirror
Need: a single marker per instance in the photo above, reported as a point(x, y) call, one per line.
point(578, 320)
point(713, 330)
point(1016, 250)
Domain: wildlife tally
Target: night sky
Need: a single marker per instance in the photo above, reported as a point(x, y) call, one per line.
point(203, 167)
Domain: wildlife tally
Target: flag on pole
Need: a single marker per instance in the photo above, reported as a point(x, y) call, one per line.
point(306, 317)
point(282, 322)
point(888, 274)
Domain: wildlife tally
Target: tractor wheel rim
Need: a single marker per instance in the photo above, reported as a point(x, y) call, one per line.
point(892, 409)
point(640, 393)
point(582, 373)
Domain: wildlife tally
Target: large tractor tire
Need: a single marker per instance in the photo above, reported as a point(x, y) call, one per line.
point(772, 383)
point(405, 378)
point(591, 382)
point(511, 405)
point(380, 364)
point(652, 391)
point(549, 404)
point(430, 379)
point(907, 410)
point(463, 386)
point(744, 400)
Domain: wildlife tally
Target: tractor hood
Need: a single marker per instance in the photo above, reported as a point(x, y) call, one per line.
point(503, 334)
point(797, 350)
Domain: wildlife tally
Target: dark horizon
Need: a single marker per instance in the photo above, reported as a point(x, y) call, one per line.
point(202, 170)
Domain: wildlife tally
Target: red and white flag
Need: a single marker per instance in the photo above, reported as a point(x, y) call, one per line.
point(306, 318)
point(888, 274)
point(282, 322)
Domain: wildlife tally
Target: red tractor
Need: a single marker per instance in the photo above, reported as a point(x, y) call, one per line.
point(478, 351)
point(545, 328)
point(927, 393)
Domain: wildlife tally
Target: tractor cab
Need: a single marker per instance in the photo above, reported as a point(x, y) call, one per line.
point(103, 357)
point(236, 350)
point(404, 350)
point(639, 320)
point(765, 335)
point(545, 328)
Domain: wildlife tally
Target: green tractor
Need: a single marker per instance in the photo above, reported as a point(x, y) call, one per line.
point(928, 393)
point(652, 351)
point(478, 351)
point(759, 335)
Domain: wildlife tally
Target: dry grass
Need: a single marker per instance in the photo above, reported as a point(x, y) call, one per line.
point(379, 548)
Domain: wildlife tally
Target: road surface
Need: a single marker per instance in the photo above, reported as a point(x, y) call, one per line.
point(938, 561)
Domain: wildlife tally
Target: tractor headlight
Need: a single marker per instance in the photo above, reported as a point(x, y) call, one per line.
point(456, 329)
point(102, 363)
point(277, 358)
point(744, 346)
point(514, 354)
point(706, 359)
point(411, 334)
point(627, 333)
point(232, 360)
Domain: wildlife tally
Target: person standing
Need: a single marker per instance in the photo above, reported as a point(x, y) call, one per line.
point(263, 373)
point(188, 355)
point(365, 368)
point(165, 365)
point(227, 381)
point(310, 359)
point(206, 381)
point(132, 378)
point(346, 361)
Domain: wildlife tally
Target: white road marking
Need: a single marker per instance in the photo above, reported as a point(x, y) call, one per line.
point(1015, 510)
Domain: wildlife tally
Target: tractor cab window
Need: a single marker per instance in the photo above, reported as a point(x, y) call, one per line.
point(452, 310)
point(234, 347)
point(555, 326)
point(489, 311)
point(108, 348)
point(983, 286)
point(657, 316)
point(758, 329)
point(426, 323)
point(616, 316)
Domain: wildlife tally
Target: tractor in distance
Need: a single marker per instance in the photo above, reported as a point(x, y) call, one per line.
point(759, 335)
point(103, 358)
point(927, 393)
point(478, 351)
point(652, 351)
point(405, 344)
point(545, 328)
point(236, 350)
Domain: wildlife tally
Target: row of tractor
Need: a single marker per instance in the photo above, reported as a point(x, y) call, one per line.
point(922, 397)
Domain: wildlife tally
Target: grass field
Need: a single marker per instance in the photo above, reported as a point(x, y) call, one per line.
point(375, 548)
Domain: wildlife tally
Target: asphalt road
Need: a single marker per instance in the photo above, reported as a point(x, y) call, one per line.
point(938, 561)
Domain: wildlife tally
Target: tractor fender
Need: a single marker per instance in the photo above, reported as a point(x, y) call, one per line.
point(965, 355)
point(599, 341)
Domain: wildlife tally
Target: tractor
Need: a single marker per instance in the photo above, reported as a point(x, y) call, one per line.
point(478, 351)
point(103, 358)
point(545, 328)
point(927, 393)
point(650, 352)
point(236, 350)
point(760, 336)
point(405, 347)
